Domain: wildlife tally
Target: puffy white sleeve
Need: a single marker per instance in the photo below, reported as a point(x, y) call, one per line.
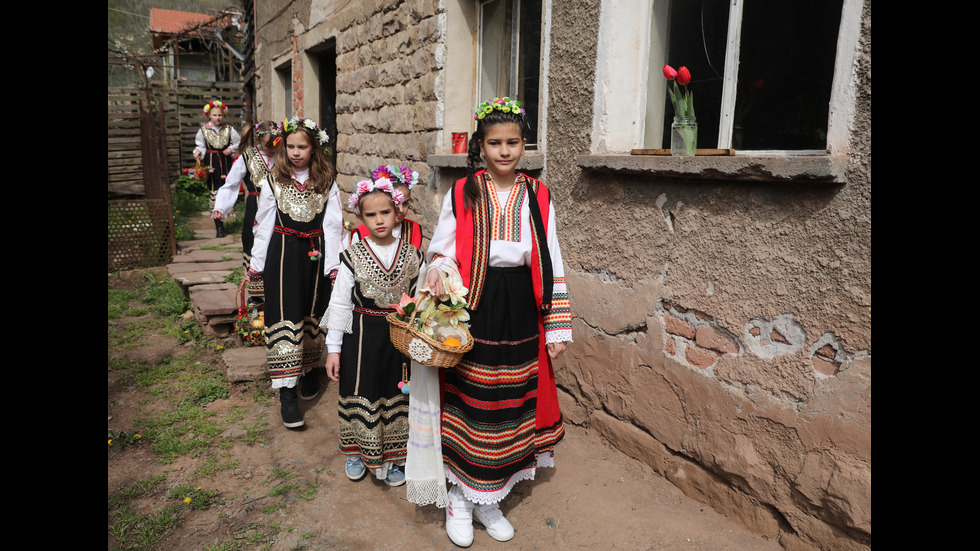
point(227, 194)
point(558, 321)
point(339, 317)
point(265, 221)
point(333, 230)
point(442, 246)
point(200, 145)
point(236, 141)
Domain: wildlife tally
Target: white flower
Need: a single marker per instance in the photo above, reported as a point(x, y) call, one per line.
point(309, 124)
point(322, 136)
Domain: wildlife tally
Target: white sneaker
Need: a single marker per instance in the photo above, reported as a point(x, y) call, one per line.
point(497, 526)
point(459, 519)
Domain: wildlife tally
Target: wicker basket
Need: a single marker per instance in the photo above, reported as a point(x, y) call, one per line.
point(199, 172)
point(423, 348)
point(243, 324)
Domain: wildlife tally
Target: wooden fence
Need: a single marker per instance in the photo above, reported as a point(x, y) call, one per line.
point(183, 115)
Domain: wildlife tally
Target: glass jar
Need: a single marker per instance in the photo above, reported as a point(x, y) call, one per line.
point(684, 136)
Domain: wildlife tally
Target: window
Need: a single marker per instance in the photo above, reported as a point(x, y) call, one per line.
point(282, 92)
point(768, 75)
point(509, 56)
point(763, 71)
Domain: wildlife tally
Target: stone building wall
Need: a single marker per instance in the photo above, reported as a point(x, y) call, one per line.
point(722, 325)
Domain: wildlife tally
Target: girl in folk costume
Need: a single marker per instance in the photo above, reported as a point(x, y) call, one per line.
point(247, 173)
point(298, 232)
point(500, 419)
point(403, 180)
point(214, 145)
point(375, 272)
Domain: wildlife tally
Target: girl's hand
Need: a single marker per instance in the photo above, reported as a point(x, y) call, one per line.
point(227, 151)
point(434, 283)
point(555, 349)
point(216, 215)
point(197, 155)
point(333, 366)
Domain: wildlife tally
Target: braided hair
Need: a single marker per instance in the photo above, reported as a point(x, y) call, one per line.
point(474, 162)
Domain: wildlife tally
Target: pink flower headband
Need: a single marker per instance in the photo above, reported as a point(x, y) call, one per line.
point(401, 173)
point(368, 186)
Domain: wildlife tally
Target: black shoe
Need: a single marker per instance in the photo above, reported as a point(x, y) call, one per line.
point(309, 385)
point(220, 228)
point(291, 417)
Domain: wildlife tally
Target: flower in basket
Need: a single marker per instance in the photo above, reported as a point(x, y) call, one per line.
point(448, 315)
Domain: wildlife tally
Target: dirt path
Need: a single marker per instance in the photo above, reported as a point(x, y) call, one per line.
point(596, 497)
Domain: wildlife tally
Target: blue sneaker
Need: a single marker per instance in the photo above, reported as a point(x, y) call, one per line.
point(395, 476)
point(355, 468)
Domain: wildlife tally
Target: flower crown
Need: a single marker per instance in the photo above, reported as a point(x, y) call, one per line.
point(381, 184)
point(293, 125)
point(272, 132)
point(212, 104)
point(404, 176)
point(504, 104)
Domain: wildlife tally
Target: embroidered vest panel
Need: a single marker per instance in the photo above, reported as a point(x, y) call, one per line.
point(383, 285)
point(217, 139)
point(256, 166)
point(302, 206)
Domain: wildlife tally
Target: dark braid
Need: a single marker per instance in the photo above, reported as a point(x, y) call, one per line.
point(474, 162)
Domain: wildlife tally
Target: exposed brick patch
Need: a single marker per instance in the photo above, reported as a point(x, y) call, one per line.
point(702, 316)
point(695, 338)
point(776, 337)
point(711, 337)
point(679, 327)
point(827, 351)
point(699, 357)
point(825, 367)
point(828, 355)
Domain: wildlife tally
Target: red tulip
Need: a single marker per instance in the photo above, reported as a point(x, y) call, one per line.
point(669, 72)
point(683, 76)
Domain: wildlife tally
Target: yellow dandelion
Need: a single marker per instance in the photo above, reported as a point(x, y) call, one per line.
point(198, 487)
point(187, 500)
point(110, 441)
point(137, 436)
point(221, 347)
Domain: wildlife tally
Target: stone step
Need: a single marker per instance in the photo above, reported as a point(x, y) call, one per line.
point(201, 266)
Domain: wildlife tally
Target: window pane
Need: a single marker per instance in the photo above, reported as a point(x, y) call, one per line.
point(529, 64)
point(502, 73)
point(697, 33)
point(495, 48)
point(786, 68)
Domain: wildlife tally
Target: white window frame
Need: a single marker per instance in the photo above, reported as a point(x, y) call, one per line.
point(623, 73)
point(515, 52)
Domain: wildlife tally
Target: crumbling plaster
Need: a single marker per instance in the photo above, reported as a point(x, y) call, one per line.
point(760, 433)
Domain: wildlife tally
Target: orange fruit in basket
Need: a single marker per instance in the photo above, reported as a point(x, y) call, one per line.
point(452, 341)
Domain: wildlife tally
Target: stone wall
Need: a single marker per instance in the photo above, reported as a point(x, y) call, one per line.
point(722, 328)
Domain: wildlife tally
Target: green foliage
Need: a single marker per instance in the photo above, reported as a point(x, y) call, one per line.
point(164, 296)
point(196, 498)
point(133, 530)
point(122, 439)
